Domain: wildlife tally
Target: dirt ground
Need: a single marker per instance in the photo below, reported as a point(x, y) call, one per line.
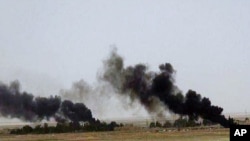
point(128, 135)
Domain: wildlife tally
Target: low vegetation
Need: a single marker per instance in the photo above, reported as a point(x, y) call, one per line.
point(73, 127)
point(186, 122)
point(67, 128)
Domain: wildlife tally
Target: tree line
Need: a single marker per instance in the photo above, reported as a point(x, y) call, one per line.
point(67, 128)
point(186, 122)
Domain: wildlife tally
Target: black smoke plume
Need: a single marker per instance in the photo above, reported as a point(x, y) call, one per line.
point(22, 105)
point(153, 88)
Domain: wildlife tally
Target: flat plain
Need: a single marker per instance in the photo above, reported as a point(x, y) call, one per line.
point(220, 134)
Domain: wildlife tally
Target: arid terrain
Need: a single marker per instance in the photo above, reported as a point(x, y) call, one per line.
point(209, 134)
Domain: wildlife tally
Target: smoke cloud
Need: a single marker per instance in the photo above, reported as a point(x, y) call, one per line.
point(155, 91)
point(22, 105)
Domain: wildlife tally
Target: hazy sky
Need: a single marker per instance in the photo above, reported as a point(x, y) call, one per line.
point(47, 44)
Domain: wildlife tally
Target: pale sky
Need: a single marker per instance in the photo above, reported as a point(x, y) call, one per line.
point(47, 45)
